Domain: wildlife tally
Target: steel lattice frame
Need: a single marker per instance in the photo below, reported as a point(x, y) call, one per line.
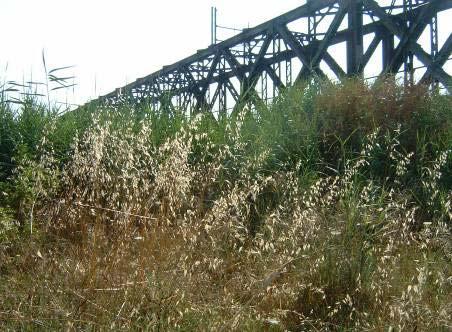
point(259, 62)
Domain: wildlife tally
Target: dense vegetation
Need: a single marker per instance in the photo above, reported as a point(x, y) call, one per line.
point(328, 210)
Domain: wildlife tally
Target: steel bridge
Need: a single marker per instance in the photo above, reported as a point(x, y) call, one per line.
point(399, 37)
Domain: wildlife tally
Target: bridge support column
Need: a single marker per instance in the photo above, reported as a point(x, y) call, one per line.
point(355, 40)
point(434, 44)
point(388, 50)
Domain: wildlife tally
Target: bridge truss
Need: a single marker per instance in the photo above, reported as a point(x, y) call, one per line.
point(376, 37)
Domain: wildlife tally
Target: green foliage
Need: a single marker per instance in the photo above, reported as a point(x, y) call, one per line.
point(8, 141)
point(327, 210)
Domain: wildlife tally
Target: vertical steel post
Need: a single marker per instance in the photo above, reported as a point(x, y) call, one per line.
point(264, 87)
point(213, 25)
point(356, 39)
point(312, 27)
point(409, 58)
point(387, 49)
point(289, 73)
point(222, 95)
point(224, 100)
point(277, 66)
point(434, 44)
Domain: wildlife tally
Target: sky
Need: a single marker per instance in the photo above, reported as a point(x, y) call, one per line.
point(112, 42)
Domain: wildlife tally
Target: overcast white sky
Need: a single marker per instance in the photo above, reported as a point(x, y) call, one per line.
point(113, 42)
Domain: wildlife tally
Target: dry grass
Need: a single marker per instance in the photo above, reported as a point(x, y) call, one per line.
point(140, 236)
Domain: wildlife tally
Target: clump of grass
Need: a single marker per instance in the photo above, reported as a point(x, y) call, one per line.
point(318, 213)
